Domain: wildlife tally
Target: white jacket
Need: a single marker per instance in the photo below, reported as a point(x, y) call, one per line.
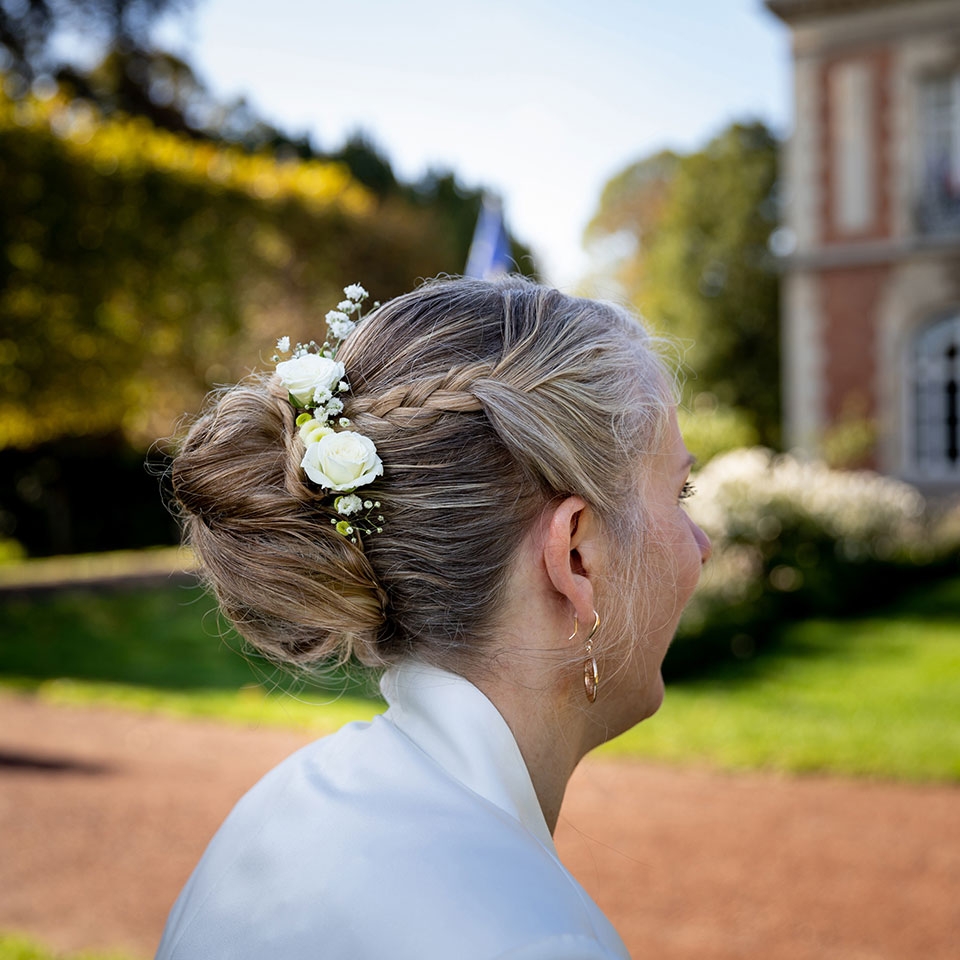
point(415, 837)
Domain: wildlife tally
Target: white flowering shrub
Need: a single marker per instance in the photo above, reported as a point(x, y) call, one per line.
point(753, 496)
point(796, 538)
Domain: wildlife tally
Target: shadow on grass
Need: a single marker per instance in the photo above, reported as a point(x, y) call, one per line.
point(171, 638)
point(168, 638)
point(731, 654)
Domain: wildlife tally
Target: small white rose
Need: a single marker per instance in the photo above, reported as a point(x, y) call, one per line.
point(314, 430)
point(306, 374)
point(342, 461)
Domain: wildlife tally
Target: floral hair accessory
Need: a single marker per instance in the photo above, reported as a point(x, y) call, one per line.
point(341, 460)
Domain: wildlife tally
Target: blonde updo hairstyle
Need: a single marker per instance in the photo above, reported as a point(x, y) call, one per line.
point(486, 400)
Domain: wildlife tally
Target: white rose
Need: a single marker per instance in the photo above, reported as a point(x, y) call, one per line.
point(305, 375)
point(342, 461)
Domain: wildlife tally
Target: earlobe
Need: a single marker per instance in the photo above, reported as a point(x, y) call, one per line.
point(568, 553)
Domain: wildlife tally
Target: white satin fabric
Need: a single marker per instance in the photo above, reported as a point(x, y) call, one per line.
point(415, 837)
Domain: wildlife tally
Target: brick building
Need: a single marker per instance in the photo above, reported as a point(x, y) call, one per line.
point(871, 304)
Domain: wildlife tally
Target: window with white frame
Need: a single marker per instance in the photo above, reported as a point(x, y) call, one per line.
point(940, 174)
point(936, 384)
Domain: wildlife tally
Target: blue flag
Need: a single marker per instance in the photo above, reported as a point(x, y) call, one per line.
point(490, 249)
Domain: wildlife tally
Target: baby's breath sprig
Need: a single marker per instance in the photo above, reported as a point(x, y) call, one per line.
point(363, 516)
point(349, 312)
point(341, 322)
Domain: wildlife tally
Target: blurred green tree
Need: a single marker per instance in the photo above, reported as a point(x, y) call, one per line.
point(140, 267)
point(153, 243)
point(685, 240)
point(28, 27)
point(133, 77)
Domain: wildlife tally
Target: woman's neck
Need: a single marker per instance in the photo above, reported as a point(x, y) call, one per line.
point(551, 742)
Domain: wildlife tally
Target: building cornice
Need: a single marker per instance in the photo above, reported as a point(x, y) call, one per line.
point(867, 254)
point(793, 11)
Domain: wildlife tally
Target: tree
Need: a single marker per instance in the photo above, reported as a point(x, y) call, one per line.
point(153, 243)
point(27, 27)
point(139, 268)
point(697, 265)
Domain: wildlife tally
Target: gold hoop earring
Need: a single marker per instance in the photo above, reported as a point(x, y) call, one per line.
point(591, 672)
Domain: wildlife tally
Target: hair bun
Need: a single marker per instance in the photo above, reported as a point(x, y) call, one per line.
point(293, 586)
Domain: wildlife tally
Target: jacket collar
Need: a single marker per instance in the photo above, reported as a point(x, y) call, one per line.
point(458, 727)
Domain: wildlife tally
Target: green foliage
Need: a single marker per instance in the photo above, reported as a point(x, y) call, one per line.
point(689, 237)
point(367, 164)
point(139, 267)
point(709, 429)
point(877, 696)
point(633, 203)
point(11, 551)
point(167, 638)
point(457, 208)
point(796, 539)
point(26, 28)
point(48, 496)
point(166, 650)
point(120, 566)
point(14, 947)
point(849, 442)
point(317, 710)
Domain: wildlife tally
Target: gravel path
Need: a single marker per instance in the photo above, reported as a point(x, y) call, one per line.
point(103, 814)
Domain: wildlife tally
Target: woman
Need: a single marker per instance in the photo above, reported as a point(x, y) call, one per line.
point(480, 490)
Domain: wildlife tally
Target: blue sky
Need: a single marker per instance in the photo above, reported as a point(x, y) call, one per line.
point(541, 100)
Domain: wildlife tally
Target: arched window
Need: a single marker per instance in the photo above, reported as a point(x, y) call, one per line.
point(937, 373)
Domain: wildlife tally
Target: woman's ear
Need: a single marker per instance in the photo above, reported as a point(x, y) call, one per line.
point(571, 552)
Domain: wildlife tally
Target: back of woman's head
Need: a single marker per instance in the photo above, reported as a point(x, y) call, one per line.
point(486, 400)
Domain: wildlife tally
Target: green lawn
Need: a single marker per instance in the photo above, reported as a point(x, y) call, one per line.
point(878, 695)
point(162, 649)
point(13, 947)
